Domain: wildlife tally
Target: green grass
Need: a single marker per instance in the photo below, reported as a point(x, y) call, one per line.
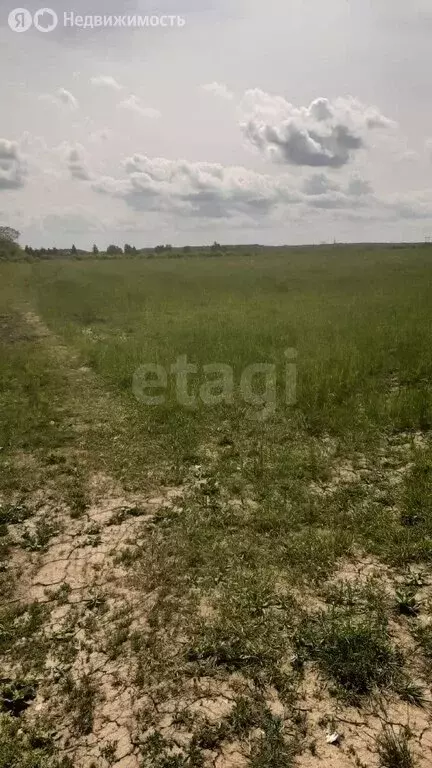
point(356, 319)
point(354, 653)
point(32, 747)
point(267, 513)
point(394, 750)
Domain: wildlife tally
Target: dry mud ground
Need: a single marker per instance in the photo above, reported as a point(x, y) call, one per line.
point(95, 642)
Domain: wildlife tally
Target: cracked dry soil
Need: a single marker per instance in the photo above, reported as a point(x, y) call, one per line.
point(97, 639)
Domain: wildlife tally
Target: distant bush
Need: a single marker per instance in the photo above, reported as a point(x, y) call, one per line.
point(9, 248)
point(9, 251)
point(114, 250)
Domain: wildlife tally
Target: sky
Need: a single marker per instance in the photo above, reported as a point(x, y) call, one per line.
point(285, 122)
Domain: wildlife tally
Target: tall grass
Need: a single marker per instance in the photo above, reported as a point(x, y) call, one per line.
point(360, 320)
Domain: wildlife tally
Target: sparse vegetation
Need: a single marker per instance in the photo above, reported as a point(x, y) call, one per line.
point(80, 701)
point(394, 749)
point(354, 653)
point(210, 563)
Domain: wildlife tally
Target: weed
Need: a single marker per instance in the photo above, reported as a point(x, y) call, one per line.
point(116, 641)
point(410, 691)
point(16, 696)
point(77, 497)
point(24, 746)
point(124, 513)
point(406, 601)
point(61, 595)
point(22, 635)
point(13, 514)
point(39, 539)
point(80, 702)
point(273, 750)
point(158, 752)
point(352, 652)
point(108, 752)
point(423, 637)
point(394, 750)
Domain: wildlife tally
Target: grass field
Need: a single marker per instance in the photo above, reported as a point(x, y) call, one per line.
point(203, 585)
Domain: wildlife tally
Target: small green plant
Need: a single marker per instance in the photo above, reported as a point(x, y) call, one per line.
point(158, 752)
point(80, 702)
point(116, 641)
point(16, 695)
point(352, 652)
point(410, 691)
point(13, 514)
point(229, 653)
point(78, 500)
point(24, 746)
point(22, 635)
point(423, 638)
point(394, 749)
point(39, 539)
point(124, 513)
point(108, 752)
point(406, 601)
point(273, 750)
point(61, 595)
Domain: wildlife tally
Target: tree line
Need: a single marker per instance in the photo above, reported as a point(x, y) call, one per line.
point(10, 250)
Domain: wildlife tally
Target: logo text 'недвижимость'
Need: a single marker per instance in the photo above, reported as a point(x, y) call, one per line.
point(47, 20)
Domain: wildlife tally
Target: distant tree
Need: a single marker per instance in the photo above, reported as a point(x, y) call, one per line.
point(187, 249)
point(114, 250)
point(73, 250)
point(9, 234)
point(95, 250)
point(163, 248)
point(9, 248)
point(216, 249)
point(129, 248)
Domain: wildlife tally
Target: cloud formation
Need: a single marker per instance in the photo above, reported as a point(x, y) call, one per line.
point(199, 189)
point(12, 166)
point(62, 98)
point(76, 164)
point(325, 134)
point(135, 104)
point(218, 89)
point(106, 81)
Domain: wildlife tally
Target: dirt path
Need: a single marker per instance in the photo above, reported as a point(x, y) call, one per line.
point(71, 565)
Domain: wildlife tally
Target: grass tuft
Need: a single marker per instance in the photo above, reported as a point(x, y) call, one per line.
point(353, 653)
point(394, 749)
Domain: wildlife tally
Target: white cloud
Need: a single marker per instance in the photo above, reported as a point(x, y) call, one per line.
point(106, 81)
point(135, 104)
point(67, 98)
point(325, 134)
point(210, 191)
point(61, 97)
point(76, 164)
point(199, 189)
point(103, 134)
point(319, 184)
point(12, 166)
point(218, 89)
